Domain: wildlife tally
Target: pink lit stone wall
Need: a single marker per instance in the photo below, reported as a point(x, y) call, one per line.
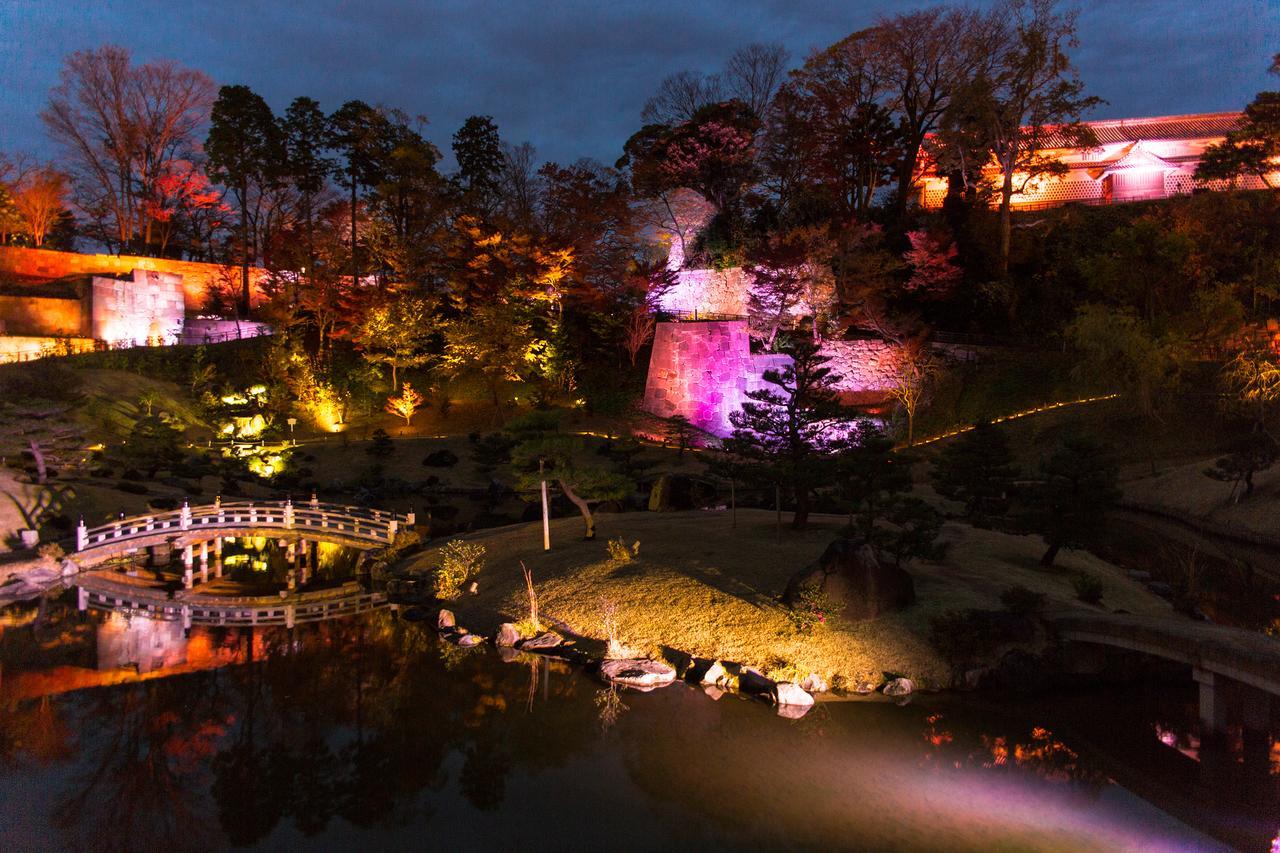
point(704, 370)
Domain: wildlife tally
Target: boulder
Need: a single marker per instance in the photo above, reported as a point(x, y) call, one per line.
point(466, 640)
point(899, 687)
point(814, 683)
point(716, 675)
point(714, 692)
point(853, 576)
point(507, 636)
point(445, 620)
point(545, 640)
point(641, 673)
point(864, 688)
point(786, 693)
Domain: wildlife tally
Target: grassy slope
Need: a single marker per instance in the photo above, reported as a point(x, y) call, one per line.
point(704, 588)
point(1185, 489)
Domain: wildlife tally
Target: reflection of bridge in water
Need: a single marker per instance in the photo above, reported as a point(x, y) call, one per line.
point(200, 531)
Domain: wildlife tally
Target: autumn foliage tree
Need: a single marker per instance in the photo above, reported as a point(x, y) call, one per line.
point(405, 404)
point(41, 199)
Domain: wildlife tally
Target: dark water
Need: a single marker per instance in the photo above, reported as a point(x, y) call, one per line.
point(370, 734)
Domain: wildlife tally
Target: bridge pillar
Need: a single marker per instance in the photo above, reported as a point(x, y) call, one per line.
point(188, 556)
point(1213, 702)
point(288, 616)
point(186, 618)
point(291, 579)
point(188, 581)
point(159, 554)
point(217, 557)
point(288, 513)
point(185, 517)
point(82, 599)
point(82, 535)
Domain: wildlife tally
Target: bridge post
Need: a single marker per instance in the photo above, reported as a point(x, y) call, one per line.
point(1213, 702)
point(392, 527)
point(185, 517)
point(82, 535)
point(217, 557)
point(253, 514)
point(222, 516)
point(82, 599)
point(288, 513)
point(288, 616)
point(188, 580)
point(411, 519)
point(186, 617)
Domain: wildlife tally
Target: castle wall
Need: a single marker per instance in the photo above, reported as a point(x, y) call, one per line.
point(704, 371)
point(198, 279)
point(43, 316)
point(148, 309)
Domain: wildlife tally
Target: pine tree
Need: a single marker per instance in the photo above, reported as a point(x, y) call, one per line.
point(1076, 488)
point(788, 433)
point(977, 470)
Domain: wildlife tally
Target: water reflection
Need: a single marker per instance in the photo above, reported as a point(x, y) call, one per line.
point(336, 728)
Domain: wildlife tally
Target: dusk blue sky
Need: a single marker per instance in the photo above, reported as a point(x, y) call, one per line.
point(571, 77)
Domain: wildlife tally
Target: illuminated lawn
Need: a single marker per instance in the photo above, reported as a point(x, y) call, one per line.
point(703, 588)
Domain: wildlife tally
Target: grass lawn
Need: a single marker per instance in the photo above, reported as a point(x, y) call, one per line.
point(704, 588)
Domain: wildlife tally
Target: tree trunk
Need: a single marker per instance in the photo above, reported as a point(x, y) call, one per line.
point(800, 517)
point(1006, 221)
point(583, 507)
point(244, 251)
point(1049, 555)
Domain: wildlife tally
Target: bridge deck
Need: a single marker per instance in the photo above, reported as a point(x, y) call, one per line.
point(1241, 655)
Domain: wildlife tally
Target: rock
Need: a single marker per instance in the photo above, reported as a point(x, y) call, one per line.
point(444, 619)
point(660, 494)
point(1135, 574)
point(864, 688)
point(507, 636)
point(718, 676)
point(466, 640)
point(786, 693)
point(642, 673)
point(714, 692)
point(793, 712)
point(814, 683)
point(474, 589)
point(545, 640)
point(852, 575)
point(899, 687)
point(29, 538)
point(755, 682)
point(1161, 589)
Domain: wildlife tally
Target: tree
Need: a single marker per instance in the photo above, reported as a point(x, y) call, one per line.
point(679, 432)
point(41, 199)
point(932, 258)
point(789, 276)
point(405, 405)
point(569, 461)
point(753, 73)
point(357, 132)
point(1120, 352)
point(152, 444)
point(398, 332)
point(119, 125)
point(495, 339)
point(478, 149)
point(872, 477)
point(246, 153)
point(788, 432)
point(914, 368)
point(1077, 486)
point(1247, 454)
point(1253, 148)
point(977, 469)
point(680, 96)
point(307, 165)
point(1024, 100)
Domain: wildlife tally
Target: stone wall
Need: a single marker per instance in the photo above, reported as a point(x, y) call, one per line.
point(44, 316)
point(197, 278)
point(29, 347)
point(704, 370)
point(148, 309)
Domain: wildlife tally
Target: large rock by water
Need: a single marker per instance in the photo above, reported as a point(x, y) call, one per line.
point(507, 636)
point(445, 620)
point(852, 575)
point(786, 693)
point(641, 673)
point(545, 640)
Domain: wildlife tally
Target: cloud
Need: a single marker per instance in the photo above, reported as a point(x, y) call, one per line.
point(572, 76)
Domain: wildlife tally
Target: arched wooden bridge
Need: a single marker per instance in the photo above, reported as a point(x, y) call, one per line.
point(347, 525)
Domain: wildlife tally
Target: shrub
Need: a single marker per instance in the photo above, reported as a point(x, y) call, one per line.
point(812, 608)
point(1088, 587)
point(1022, 601)
point(132, 488)
point(441, 459)
point(51, 551)
point(619, 552)
point(459, 563)
point(163, 504)
point(381, 444)
point(964, 636)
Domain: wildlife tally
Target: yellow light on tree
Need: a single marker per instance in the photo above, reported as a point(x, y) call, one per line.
point(405, 404)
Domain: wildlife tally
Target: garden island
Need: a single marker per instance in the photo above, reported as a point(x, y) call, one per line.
point(877, 450)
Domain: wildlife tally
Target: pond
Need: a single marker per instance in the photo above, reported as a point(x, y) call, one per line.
point(119, 733)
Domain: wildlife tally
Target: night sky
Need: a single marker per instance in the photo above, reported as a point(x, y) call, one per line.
point(571, 77)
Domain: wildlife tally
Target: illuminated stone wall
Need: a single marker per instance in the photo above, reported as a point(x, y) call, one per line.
point(197, 278)
point(704, 370)
point(44, 316)
point(150, 308)
point(28, 347)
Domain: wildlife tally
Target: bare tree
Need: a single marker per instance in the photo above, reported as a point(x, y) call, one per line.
point(754, 73)
point(519, 180)
point(914, 368)
point(119, 126)
point(680, 96)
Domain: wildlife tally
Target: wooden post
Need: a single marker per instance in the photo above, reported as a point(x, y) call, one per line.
point(546, 515)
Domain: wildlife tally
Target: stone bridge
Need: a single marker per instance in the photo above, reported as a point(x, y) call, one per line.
point(1230, 664)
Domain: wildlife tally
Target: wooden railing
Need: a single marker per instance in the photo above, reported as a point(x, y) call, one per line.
point(374, 526)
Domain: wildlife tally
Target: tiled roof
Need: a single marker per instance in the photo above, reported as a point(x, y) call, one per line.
point(1198, 126)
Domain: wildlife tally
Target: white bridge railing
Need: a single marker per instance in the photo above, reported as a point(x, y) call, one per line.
point(371, 525)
